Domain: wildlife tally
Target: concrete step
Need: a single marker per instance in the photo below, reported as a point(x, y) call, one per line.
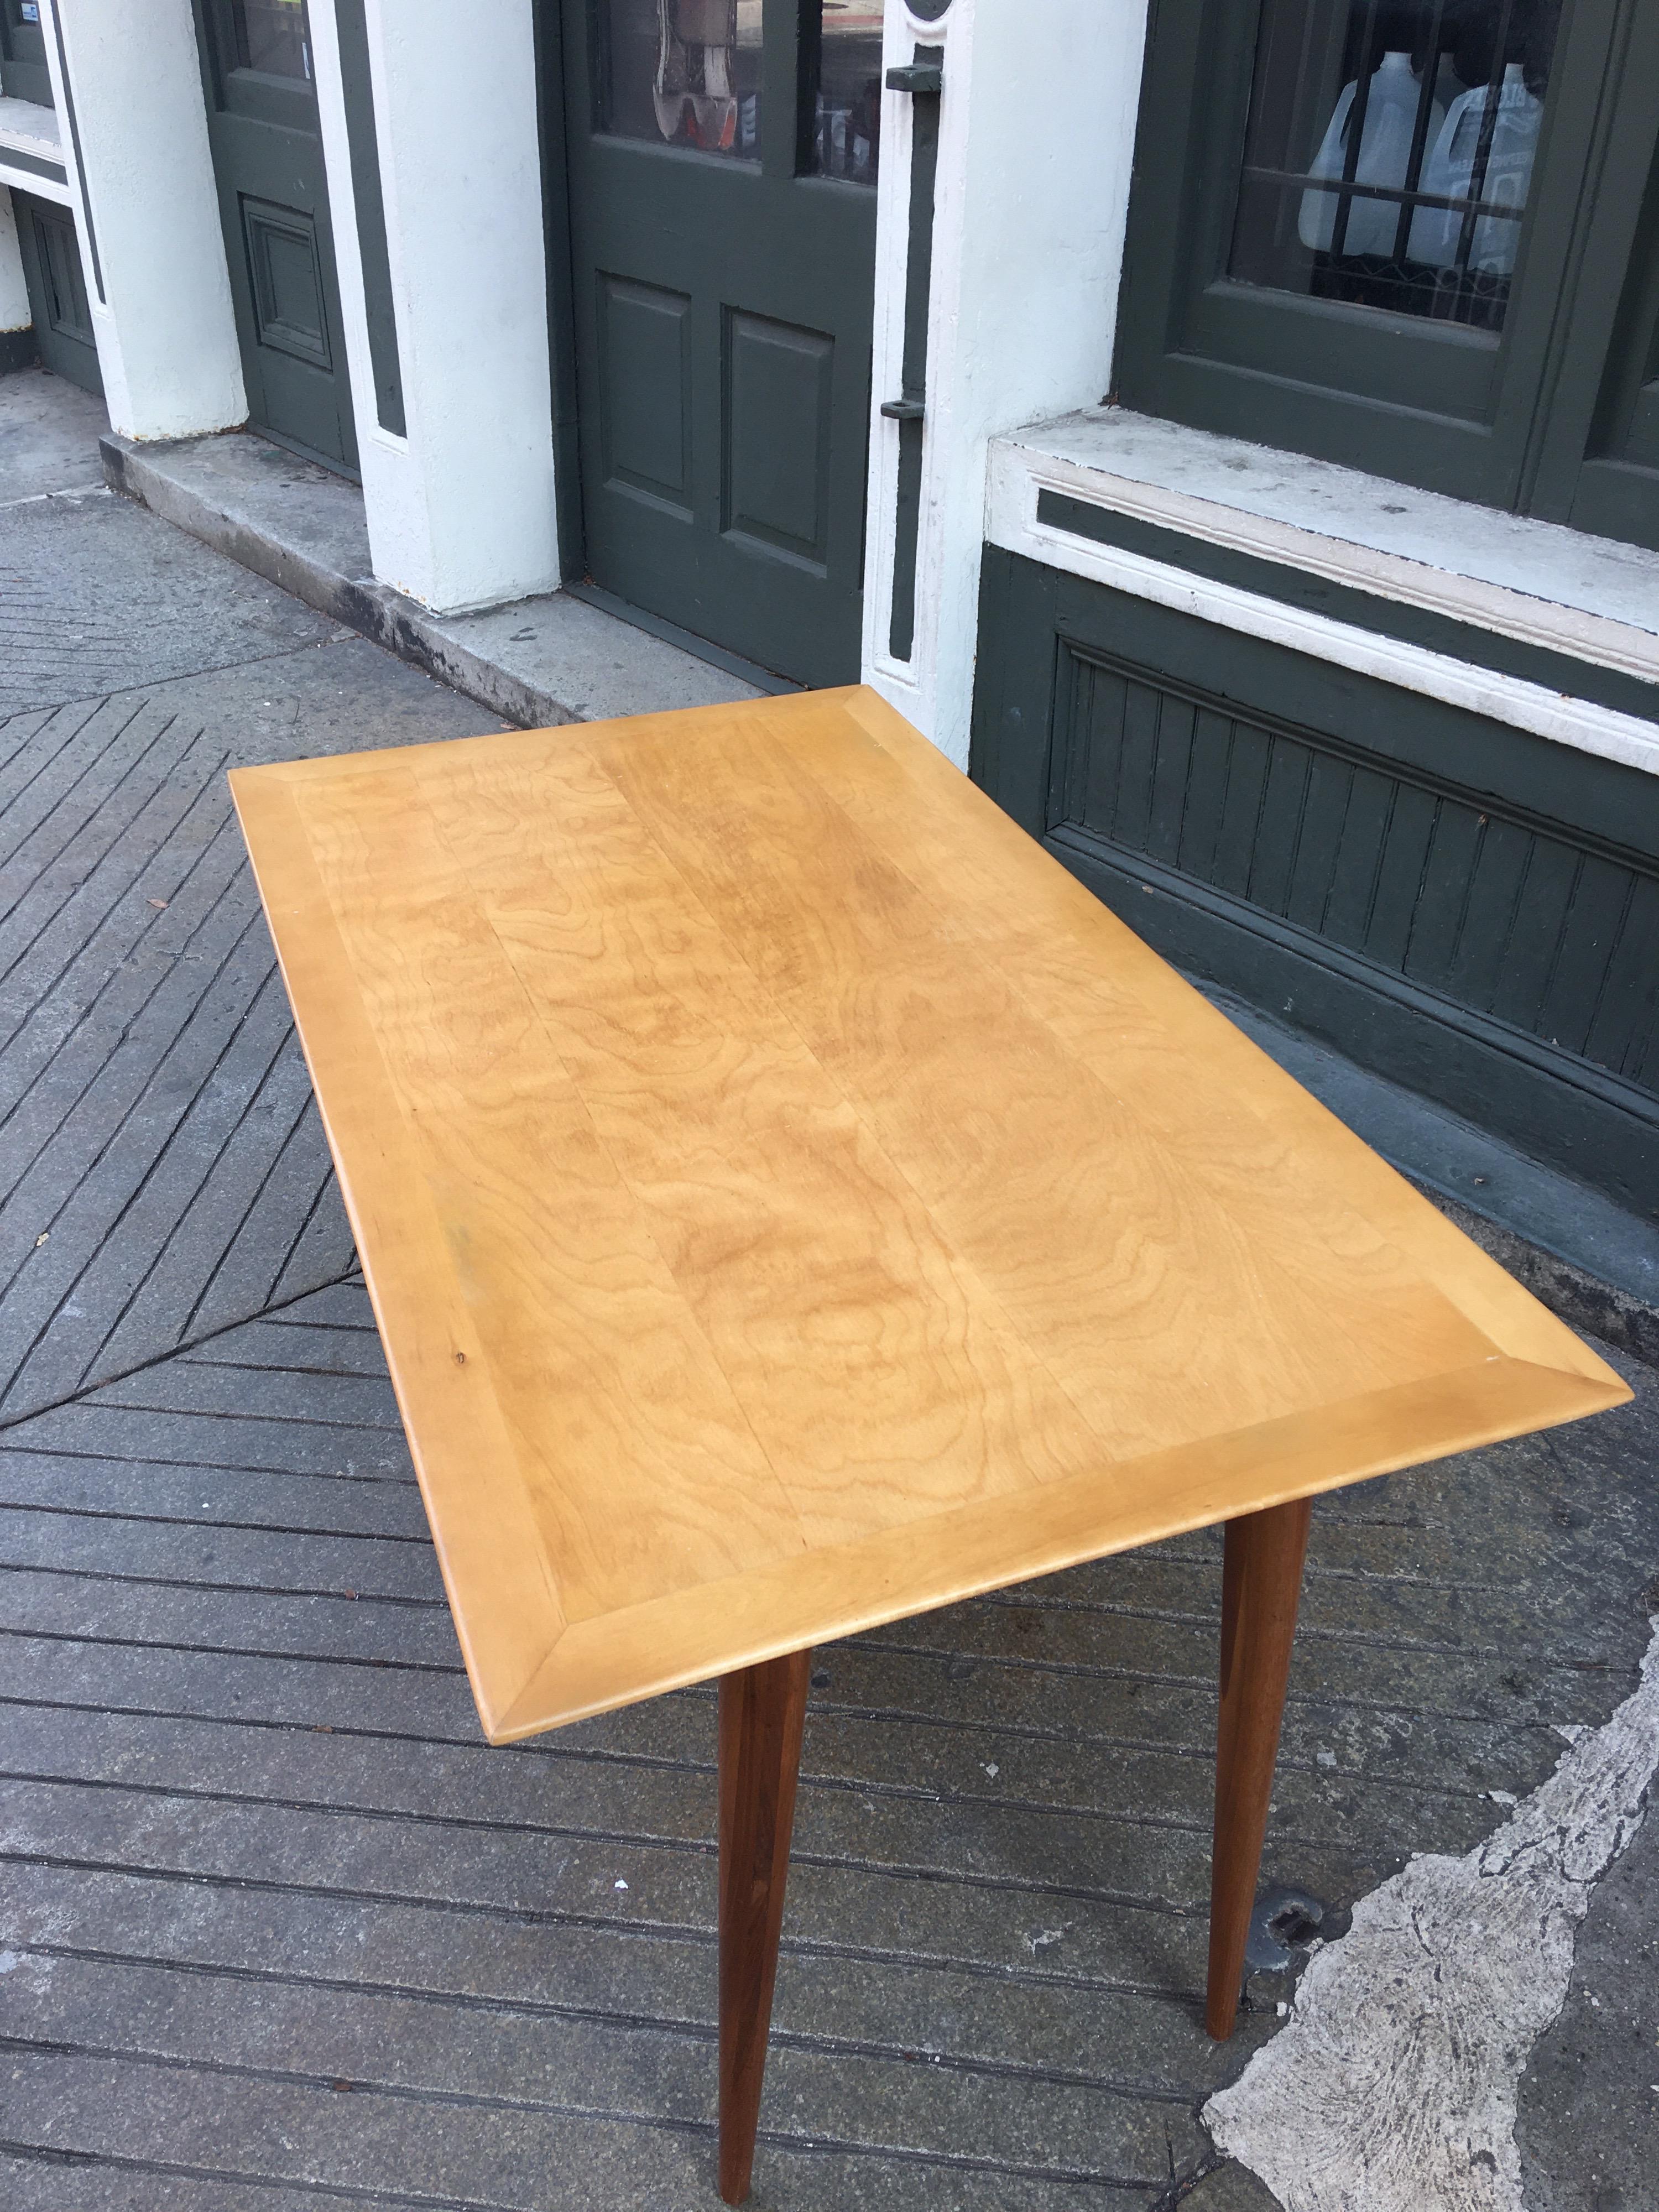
point(556, 658)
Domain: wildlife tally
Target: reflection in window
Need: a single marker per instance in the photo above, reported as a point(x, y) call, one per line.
point(847, 109)
point(273, 35)
point(684, 73)
point(1389, 151)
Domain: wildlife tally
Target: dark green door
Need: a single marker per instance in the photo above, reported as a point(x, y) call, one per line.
point(23, 73)
point(273, 202)
point(722, 163)
point(58, 306)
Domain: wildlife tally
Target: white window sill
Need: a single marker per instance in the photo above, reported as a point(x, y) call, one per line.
point(1591, 599)
point(29, 138)
point(31, 129)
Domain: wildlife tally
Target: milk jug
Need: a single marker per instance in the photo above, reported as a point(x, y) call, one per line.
point(1449, 172)
point(1385, 149)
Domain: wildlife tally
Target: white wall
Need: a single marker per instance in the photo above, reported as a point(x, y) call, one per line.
point(460, 509)
point(166, 333)
point(1036, 138)
point(14, 313)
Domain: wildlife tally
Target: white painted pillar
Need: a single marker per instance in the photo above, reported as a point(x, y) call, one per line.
point(461, 506)
point(1037, 136)
point(14, 313)
point(146, 214)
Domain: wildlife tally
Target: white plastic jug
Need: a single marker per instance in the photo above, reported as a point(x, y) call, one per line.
point(1450, 171)
point(1385, 153)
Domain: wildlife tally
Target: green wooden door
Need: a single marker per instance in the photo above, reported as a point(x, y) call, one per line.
point(58, 306)
point(273, 202)
point(722, 160)
point(23, 72)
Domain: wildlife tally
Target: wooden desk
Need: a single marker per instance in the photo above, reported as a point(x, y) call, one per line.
point(790, 1201)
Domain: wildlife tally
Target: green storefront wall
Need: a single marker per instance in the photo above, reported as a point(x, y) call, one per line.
point(1470, 910)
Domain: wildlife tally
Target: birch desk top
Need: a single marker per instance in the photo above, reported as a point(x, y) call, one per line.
point(791, 1201)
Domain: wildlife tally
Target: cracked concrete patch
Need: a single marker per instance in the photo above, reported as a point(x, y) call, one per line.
point(1394, 2088)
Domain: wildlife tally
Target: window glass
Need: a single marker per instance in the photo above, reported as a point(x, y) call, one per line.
point(847, 106)
point(273, 36)
point(1389, 151)
point(684, 73)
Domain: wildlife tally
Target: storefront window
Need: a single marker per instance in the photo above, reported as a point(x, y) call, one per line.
point(273, 37)
point(1389, 151)
point(846, 108)
point(685, 73)
point(692, 73)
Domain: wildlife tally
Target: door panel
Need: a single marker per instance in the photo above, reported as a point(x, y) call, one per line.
point(58, 306)
point(776, 435)
point(723, 229)
point(286, 282)
point(644, 396)
point(273, 204)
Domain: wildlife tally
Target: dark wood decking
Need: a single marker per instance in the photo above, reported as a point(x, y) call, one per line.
point(277, 1929)
point(275, 1915)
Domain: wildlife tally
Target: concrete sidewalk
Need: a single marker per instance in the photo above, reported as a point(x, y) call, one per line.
point(556, 658)
point(275, 1927)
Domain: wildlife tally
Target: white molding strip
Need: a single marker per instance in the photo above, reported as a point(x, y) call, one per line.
point(27, 128)
point(26, 180)
point(1538, 582)
point(1019, 472)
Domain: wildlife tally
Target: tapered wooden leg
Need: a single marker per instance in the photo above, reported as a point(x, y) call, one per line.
point(1262, 1581)
point(761, 1710)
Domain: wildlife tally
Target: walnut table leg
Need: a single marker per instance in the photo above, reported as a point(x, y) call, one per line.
point(1261, 1582)
point(761, 1710)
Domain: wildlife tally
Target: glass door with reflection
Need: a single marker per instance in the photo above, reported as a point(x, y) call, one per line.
point(722, 157)
point(273, 205)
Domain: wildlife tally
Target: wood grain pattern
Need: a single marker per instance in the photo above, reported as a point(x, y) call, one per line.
point(762, 1712)
point(791, 1201)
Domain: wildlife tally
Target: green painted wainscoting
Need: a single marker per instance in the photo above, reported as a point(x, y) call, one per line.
point(1471, 910)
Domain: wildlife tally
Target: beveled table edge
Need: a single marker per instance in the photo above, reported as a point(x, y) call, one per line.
point(666, 1643)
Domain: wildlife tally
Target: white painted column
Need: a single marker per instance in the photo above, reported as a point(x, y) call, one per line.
point(142, 188)
point(460, 508)
point(14, 313)
point(1037, 136)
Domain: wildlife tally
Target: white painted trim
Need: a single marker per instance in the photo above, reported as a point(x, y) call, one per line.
point(165, 326)
point(393, 510)
point(26, 127)
point(460, 510)
point(1538, 582)
point(16, 314)
point(899, 682)
point(1016, 477)
point(25, 180)
point(1026, 256)
point(26, 122)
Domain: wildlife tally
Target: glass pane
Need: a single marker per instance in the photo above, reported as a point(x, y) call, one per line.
point(684, 73)
point(1389, 151)
point(273, 35)
point(846, 107)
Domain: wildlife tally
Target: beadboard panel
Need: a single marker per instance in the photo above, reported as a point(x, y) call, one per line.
point(1464, 905)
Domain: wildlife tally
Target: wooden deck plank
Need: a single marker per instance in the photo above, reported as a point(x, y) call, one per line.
point(260, 1814)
